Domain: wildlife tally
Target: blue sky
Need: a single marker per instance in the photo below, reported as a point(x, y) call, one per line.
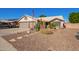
point(7, 13)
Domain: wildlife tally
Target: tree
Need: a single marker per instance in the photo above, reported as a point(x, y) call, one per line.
point(42, 16)
point(74, 17)
point(42, 23)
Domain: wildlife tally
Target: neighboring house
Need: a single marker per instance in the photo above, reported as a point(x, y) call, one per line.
point(59, 20)
point(9, 23)
point(27, 22)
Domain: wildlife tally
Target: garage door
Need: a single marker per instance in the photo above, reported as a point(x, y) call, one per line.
point(24, 25)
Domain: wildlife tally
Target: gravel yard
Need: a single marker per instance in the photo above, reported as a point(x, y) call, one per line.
point(60, 40)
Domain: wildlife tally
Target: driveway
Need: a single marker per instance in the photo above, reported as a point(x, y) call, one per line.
point(6, 46)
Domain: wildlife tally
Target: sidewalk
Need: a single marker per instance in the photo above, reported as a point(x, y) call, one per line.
point(5, 46)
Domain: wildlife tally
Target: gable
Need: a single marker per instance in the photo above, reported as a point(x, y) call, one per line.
point(23, 19)
point(26, 19)
point(57, 19)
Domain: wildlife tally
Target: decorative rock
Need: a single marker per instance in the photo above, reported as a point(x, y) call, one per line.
point(12, 40)
point(77, 35)
point(25, 35)
point(19, 37)
point(50, 49)
point(28, 32)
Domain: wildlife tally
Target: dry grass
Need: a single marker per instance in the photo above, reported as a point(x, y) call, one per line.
point(46, 31)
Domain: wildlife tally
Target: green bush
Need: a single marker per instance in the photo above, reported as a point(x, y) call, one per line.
point(37, 27)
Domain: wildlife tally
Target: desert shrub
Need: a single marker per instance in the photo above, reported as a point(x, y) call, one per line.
point(37, 26)
point(46, 31)
point(54, 25)
point(42, 24)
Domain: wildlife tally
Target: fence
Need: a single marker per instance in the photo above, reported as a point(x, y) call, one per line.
point(72, 26)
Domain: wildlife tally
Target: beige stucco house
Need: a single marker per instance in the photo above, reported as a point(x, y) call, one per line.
point(29, 21)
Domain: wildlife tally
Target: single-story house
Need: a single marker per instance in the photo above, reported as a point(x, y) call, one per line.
point(59, 20)
point(30, 22)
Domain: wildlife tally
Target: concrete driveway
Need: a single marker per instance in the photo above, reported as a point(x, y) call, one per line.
point(6, 46)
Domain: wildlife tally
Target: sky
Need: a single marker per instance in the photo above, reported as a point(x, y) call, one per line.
point(14, 13)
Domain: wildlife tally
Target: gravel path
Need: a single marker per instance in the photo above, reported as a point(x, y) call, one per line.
point(60, 40)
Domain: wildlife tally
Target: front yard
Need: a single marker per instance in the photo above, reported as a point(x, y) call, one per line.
point(60, 40)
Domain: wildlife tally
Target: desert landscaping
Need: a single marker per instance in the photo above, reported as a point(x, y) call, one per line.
point(59, 40)
point(42, 33)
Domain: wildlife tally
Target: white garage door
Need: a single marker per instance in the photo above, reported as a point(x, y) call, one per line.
point(24, 25)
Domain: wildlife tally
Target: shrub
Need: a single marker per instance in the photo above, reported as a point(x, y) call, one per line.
point(37, 27)
point(42, 24)
point(46, 31)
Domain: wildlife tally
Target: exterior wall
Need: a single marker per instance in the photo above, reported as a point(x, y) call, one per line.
point(72, 26)
point(61, 24)
point(32, 25)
